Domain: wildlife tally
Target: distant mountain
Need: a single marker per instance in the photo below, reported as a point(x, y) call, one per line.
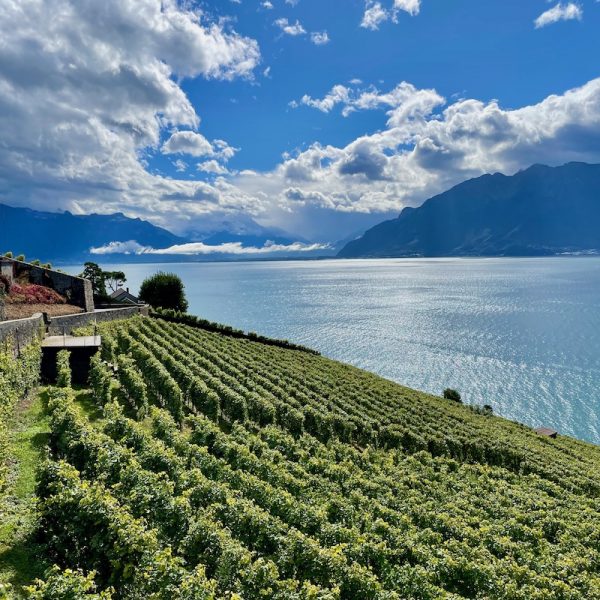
point(65, 237)
point(539, 211)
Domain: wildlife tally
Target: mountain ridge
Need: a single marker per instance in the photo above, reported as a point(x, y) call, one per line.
point(538, 211)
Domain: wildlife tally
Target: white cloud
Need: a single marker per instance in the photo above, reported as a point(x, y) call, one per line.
point(180, 165)
point(319, 38)
point(288, 28)
point(559, 12)
point(212, 166)
point(200, 249)
point(412, 7)
point(404, 101)
point(374, 15)
point(422, 152)
point(187, 142)
point(87, 90)
point(267, 4)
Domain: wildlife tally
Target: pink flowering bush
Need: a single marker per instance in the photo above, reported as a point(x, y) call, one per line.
point(34, 294)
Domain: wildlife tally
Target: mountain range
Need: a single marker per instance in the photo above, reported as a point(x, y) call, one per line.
point(536, 212)
point(539, 211)
point(65, 237)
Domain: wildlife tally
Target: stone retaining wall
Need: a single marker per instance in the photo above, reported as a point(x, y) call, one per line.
point(19, 333)
point(78, 291)
point(64, 325)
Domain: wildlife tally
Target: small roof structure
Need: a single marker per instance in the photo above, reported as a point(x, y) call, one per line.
point(546, 431)
point(124, 297)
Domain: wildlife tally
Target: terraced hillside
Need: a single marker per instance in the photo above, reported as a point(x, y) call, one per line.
point(214, 467)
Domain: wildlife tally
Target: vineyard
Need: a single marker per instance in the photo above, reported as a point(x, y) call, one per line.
point(209, 465)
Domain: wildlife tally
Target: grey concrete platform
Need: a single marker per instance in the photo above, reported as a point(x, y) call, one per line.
point(71, 341)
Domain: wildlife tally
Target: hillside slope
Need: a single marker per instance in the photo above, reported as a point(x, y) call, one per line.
point(539, 211)
point(226, 468)
point(64, 236)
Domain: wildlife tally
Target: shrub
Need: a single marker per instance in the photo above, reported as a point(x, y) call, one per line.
point(451, 394)
point(164, 290)
point(63, 369)
point(8, 254)
point(34, 294)
point(21, 257)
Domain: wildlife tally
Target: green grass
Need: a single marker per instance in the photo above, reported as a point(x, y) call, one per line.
point(19, 553)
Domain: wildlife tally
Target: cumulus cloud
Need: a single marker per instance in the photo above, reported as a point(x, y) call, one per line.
point(559, 12)
point(201, 249)
point(195, 144)
point(412, 7)
point(187, 142)
point(319, 38)
point(87, 90)
point(427, 147)
point(212, 166)
point(374, 15)
point(404, 101)
point(293, 29)
point(90, 91)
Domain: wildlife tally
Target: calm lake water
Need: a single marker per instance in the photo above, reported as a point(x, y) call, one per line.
point(520, 334)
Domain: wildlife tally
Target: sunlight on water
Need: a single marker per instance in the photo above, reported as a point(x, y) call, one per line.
point(520, 334)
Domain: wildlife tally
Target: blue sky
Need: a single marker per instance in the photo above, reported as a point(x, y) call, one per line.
point(316, 117)
point(464, 48)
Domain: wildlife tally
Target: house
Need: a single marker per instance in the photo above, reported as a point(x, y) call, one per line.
point(122, 296)
point(547, 432)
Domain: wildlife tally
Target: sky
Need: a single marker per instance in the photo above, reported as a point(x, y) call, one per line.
point(319, 118)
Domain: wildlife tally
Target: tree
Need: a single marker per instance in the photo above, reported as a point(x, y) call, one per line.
point(164, 290)
point(453, 395)
point(114, 279)
point(96, 275)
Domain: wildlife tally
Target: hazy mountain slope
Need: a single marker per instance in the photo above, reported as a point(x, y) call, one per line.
point(64, 236)
point(539, 211)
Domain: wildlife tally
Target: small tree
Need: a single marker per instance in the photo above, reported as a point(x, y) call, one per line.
point(114, 279)
point(8, 254)
point(453, 395)
point(96, 275)
point(164, 290)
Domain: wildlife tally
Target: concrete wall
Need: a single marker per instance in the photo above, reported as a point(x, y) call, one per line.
point(78, 291)
point(17, 334)
point(66, 324)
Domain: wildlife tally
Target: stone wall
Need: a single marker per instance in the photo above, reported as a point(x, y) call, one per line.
point(65, 325)
point(17, 334)
point(78, 291)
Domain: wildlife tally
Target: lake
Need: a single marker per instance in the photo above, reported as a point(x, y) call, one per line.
point(520, 334)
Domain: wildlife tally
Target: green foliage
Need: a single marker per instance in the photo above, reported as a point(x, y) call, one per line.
point(66, 585)
point(174, 316)
point(21, 258)
point(450, 394)
point(63, 369)
point(95, 274)
point(100, 380)
point(114, 279)
point(296, 477)
point(164, 290)
point(8, 254)
point(18, 376)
